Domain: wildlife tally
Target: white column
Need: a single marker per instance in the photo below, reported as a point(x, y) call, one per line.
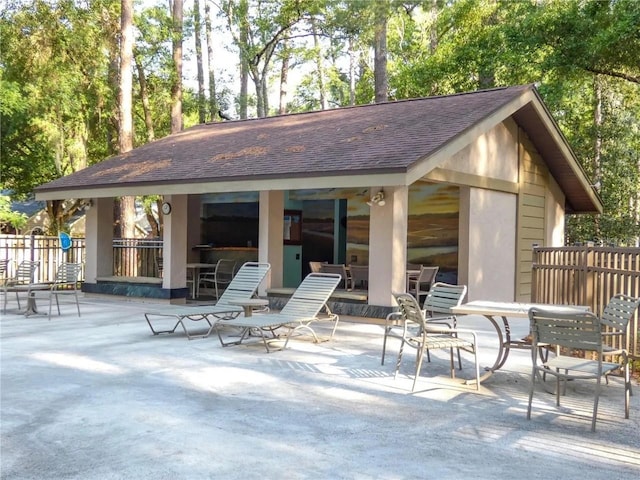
point(388, 246)
point(270, 236)
point(99, 240)
point(175, 243)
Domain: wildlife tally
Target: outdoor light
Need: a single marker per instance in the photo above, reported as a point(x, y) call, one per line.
point(377, 199)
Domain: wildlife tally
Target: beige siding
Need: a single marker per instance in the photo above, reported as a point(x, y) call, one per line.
point(533, 180)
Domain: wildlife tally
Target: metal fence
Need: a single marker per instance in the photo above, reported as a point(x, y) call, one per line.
point(46, 250)
point(132, 257)
point(137, 257)
point(588, 276)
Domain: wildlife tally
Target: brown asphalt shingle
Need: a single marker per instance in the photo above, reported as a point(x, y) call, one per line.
point(388, 137)
point(381, 138)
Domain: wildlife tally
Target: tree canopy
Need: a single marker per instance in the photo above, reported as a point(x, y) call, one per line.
point(59, 85)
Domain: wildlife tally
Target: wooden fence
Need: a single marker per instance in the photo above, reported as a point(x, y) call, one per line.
point(588, 276)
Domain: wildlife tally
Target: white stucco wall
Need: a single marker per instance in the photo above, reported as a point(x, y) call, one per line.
point(489, 262)
point(388, 246)
point(554, 212)
point(174, 274)
point(99, 240)
point(270, 237)
point(492, 155)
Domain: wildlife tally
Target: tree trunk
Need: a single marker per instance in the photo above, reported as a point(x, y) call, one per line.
point(127, 204)
point(144, 96)
point(284, 75)
point(197, 30)
point(352, 72)
point(597, 147)
point(176, 84)
point(213, 100)
point(319, 64)
point(244, 63)
point(433, 33)
point(256, 77)
point(380, 49)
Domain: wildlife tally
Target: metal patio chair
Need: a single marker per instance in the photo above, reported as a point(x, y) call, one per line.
point(221, 277)
point(569, 331)
point(421, 284)
point(339, 269)
point(418, 334)
point(20, 282)
point(436, 309)
point(66, 283)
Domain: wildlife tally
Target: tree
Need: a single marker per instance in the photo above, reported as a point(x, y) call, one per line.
point(213, 100)
point(54, 94)
point(176, 84)
point(380, 49)
point(197, 30)
point(127, 206)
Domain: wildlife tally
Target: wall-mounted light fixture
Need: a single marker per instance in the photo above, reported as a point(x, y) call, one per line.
point(377, 199)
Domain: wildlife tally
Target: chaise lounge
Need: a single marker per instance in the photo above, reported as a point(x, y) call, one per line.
point(243, 287)
point(302, 309)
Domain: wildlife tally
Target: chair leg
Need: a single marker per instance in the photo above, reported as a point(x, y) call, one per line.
point(475, 353)
point(384, 344)
point(77, 302)
point(420, 354)
point(531, 388)
point(595, 405)
point(452, 364)
point(627, 387)
point(399, 360)
point(50, 304)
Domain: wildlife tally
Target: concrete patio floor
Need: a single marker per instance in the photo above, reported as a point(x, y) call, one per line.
point(99, 397)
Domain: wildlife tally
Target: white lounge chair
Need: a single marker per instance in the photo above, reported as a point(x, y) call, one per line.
point(302, 309)
point(243, 287)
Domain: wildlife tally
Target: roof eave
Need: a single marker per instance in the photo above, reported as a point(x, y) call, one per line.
point(382, 178)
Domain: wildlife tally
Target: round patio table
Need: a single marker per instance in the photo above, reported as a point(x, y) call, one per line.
point(249, 304)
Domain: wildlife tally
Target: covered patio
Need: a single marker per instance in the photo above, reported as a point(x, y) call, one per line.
point(99, 397)
point(513, 174)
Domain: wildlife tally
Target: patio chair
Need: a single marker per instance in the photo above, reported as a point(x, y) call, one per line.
point(416, 333)
point(615, 322)
point(436, 309)
point(577, 330)
point(300, 311)
point(21, 281)
point(421, 284)
point(4, 271)
point(339, 269)
point(221, 277)
point(243, 287)
point(66, 283)
point(315, 267)
point(359, 276)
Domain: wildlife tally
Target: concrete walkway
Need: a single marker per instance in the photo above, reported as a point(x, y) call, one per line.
point(99, 397)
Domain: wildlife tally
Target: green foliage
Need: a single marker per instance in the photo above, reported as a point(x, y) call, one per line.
point(9, 218)
point(58, 61)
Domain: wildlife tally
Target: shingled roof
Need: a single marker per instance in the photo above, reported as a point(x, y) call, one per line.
point(368, 145)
